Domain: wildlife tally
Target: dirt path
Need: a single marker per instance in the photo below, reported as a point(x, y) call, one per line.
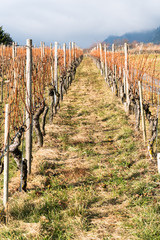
point(88, 169)
point(83, 141)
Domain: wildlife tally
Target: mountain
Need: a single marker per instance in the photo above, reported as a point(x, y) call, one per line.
point(145, 36)
point(156, 37)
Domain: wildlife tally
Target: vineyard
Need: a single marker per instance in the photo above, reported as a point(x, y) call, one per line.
point(136, 80)
point(33, 82)
point(83, 170)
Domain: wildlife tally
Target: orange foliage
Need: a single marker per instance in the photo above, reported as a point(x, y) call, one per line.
point(140, 68)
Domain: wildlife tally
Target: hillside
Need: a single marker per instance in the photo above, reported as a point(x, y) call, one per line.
point(156, 36)
point(146, 37)
point(92, 179)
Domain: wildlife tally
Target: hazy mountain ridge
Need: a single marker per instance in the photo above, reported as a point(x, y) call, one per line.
point(144, 36)
point(156, 38)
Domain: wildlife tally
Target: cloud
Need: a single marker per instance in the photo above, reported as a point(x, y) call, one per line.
point(76, 20)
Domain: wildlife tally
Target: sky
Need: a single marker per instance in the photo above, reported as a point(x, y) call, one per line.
point(83, 21)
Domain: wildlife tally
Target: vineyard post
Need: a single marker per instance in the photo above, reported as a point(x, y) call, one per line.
point(56, 69)
point(142, 110)
point(16, 48)
point(113, 51)
point(120, 72)
point(126, 76)
point(70, 63)
point(63, 79)
point(70, 54)
point(13, 50)
point(124, 81)
point(2, 76)
point(64, 54)
point(73, 49)
point(97, 46)
point(101, 58)
point(52, 83)
point(6, 157)
point(60, 80)
point(42, 49)
point(105, 61)
point(64, 51)
point(52, 77)
point(14, 53)
point(115, 69)
point(29, 104)
point(158, 161)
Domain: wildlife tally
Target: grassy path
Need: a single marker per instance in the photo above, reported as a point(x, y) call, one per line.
point(92, 179)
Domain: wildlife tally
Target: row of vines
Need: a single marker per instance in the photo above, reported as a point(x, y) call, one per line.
point(33, 81)
point(135, 79)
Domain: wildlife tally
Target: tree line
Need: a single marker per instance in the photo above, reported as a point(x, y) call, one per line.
point(5, 38)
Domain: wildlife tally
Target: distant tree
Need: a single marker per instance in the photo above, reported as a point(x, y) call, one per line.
point(5, 37)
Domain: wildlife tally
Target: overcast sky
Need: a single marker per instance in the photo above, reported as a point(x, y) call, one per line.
point(82, 21)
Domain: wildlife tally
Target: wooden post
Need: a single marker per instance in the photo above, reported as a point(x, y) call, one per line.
point(120, 72)
point(73, 50)
point(105, 62)
point(13, 57)
point(65, 67)
point(97, 46)
point(126, 73)
point(14, 54)
point(52, 75)
point(29, 104)
point(158, 161)
point(56, 69)
point(70, 54)
point(113, 51)
point(142, 111)
point(124, 80)
point(64, 54)
point(16, 48)
point(42, 49)
point(13, 50)
point(2, 75)
point(6, 157)
point(101, 58)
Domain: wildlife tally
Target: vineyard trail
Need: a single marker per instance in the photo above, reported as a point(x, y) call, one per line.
point(92, 177)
